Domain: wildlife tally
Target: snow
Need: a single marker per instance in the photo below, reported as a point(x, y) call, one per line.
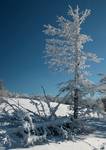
point(83, 143)
point(87, 144)
point(102, 87)
point(27, 105)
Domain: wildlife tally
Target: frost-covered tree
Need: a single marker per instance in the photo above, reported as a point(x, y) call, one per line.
point(64, 48)
point(101, 87)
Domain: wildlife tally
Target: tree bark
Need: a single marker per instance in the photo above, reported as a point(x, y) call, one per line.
point(76, 103)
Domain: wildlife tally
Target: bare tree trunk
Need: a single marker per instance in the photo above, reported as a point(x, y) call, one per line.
point(76, 103)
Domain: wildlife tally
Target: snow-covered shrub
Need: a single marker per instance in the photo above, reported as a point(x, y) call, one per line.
point(5, 140)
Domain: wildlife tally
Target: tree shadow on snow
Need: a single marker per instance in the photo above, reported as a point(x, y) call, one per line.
point(98, 126)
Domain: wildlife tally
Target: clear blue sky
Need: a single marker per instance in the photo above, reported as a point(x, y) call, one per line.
point(22, 42)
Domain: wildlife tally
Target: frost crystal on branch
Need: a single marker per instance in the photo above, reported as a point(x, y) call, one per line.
point(65, 52)
point(65, 43)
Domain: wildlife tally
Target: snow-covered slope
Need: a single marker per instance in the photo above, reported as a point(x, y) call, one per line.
point(89, 142)
point(26, 103)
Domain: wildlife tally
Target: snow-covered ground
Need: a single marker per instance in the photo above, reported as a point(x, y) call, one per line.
point(90, 143)
point(96, 141)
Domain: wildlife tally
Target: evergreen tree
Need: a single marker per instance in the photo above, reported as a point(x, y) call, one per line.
point(65, 49)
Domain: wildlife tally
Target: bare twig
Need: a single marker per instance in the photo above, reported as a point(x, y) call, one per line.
point(46, 100)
